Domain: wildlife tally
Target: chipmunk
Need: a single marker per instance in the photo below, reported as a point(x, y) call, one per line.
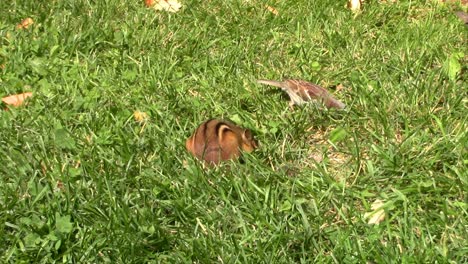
point(217, 140)
point(301, 91)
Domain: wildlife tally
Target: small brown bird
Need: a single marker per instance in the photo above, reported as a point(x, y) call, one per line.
point(301, 91)
point(463, 17)
point(217, 140)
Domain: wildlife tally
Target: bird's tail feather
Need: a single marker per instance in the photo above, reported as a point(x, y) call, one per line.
point(268, 82)
point(331, 102)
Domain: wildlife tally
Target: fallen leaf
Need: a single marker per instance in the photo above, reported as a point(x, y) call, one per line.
point(59, 186)
point(452, 65)
point(317, 157)
point(272, 10)
point(354, 5)
point(378, 213)
point(27, 22)
point(140, 116)
point(16, 99)
point(43, 168)
point(149, 3)
point(168, 5)
point(89, 138)
point(339, 87)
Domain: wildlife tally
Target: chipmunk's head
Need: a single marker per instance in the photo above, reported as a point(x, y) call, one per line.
point(249, 143)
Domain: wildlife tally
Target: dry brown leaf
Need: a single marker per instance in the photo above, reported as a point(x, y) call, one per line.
point(168, 5)
point(43, 168)
point(16, 99)
point(378, 213)
point(59, 186)
point(354, 5)
point(272, 10)
point(317, 157)
point(140, 116)
point(339, 87)
point(27, 22)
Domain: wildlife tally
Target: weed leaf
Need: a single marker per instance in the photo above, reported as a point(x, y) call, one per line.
point(338, 134)
point(63, 224)
point(63, 139)
point(452, 65)
point(31, 240)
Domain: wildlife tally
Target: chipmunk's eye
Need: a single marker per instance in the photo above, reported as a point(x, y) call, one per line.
point(248, 134)
point(249, 141)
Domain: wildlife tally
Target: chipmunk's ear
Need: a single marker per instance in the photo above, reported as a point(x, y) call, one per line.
point(222, 129)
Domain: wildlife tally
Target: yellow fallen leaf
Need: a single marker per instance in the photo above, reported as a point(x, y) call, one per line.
point(140, 116)
point(16, 99)
point(378, 213)
point(272, 10)
point(168, 5)
point(339, 87)
point(27, 22)
point(354, 5)
point(89, 138)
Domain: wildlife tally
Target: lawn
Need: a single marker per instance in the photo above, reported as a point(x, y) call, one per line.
point(83, 181)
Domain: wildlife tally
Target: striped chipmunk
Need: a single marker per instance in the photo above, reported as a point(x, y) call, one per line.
point(219, 140)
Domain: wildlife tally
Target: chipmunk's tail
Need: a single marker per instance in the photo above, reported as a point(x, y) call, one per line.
point(274, 83)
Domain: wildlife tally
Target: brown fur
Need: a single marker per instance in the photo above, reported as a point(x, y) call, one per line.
point(218, 140)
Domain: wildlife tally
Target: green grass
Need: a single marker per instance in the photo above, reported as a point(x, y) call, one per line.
point(82, 181)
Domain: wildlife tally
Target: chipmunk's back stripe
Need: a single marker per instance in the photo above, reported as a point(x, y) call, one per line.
point(202, 129)
point(220, 128)
point(205, 136)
